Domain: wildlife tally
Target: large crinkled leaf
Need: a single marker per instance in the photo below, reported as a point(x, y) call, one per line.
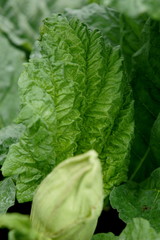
point(74, 97)
point(8, 136)
point(104, 19)
point(7, 194)
point(115, 155)
point(136, 7)
point(139, 200)
point(11, 60)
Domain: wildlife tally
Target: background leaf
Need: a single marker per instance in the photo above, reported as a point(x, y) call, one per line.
point(146, 88)
point(10, 68)
point(134, 8)
point(138, 228)
point(155, 139)
point(139, 200)
point(7, 194)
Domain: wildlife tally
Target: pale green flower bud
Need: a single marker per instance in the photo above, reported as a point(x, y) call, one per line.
point(69, 200)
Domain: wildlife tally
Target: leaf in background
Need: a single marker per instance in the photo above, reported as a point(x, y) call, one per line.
point(7, 194)
point(60, 5)
point(155, 139)
point(132, 39)
point(20, 226)
point(146, 89)
point(8, 136)
point(20, 20)
point(74, 97)
point(104, 19)
point(137, 229)
point(10, 68)
point(139, 200)
point(134, 8)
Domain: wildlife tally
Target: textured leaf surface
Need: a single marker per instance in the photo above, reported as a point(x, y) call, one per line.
point(8, 136)
point(97, 17)
point(7, 194)
point(139, 44)
point(136, 7)
point(74, 97)
point(139, 200)
point(10, 68)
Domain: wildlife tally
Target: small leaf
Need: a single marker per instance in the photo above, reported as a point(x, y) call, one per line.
point(7, 194)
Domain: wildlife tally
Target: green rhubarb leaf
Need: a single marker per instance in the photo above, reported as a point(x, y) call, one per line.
point(97, 17)
point(10, 68)
point(134, 8)
point(139, 200)
point(7, 194)
point(74, 98)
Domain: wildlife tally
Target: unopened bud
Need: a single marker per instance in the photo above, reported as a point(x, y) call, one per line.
point(68, 202)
